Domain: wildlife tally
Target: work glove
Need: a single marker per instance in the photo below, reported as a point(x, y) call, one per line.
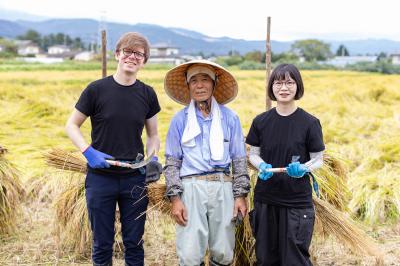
point(95, 158)
point(296, 169)
point(263, 174)
point(153, 170)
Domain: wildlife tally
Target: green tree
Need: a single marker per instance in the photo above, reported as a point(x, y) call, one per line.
point(9, 48)
point(78, 44)
point(255, 56)
point(288, 57)
point(382, 56)
point(342, 51)
point(31, 35)
point(312, 50)
point(59, 38)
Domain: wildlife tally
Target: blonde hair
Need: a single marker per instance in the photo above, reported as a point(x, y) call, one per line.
point(134, 39)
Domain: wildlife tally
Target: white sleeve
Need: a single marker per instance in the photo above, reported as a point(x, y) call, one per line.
point(316, 161)
point(254, 156)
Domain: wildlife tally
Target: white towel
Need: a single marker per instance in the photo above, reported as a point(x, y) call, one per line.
point(192, 129)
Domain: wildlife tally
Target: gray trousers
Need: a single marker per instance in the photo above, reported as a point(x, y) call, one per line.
point(210, 210)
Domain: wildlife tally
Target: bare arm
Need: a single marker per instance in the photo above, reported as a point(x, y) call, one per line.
point(72, 128)
point(153, 140)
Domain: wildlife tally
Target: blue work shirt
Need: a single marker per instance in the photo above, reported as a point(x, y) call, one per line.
point(197, 159)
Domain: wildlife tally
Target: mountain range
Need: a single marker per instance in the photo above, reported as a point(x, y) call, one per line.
point(189, 42)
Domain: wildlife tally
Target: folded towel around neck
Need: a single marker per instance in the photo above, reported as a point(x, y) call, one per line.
point(192, 130)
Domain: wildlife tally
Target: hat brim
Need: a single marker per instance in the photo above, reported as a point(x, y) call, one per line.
point(175, 85)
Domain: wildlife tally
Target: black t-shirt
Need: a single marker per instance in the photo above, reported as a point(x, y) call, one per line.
point(280, 138)
point(118, 114)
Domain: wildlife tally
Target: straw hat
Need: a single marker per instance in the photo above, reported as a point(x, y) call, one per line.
point(176, 87)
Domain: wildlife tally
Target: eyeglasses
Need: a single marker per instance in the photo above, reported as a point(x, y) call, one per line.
point(278, 84)
point(136, 54)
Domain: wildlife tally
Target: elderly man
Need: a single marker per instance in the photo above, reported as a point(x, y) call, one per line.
point(206, 173)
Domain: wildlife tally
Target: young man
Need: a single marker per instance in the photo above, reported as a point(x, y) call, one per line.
point(119, 107)
point(204, 141)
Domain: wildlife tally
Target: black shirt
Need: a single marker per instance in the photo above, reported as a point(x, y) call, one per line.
point(118, 114)
point(280, 138)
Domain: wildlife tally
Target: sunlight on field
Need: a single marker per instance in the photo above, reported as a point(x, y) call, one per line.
point(359, 113)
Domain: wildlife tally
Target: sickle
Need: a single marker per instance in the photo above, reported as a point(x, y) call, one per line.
point(132, 165)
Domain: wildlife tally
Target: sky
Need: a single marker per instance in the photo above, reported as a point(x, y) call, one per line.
point(290, 19)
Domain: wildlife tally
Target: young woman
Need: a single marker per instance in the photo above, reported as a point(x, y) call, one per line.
point(285, 136)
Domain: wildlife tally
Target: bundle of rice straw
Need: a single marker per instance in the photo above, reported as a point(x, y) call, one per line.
point(3, 150)
point(339, 225)
point(11, 194)
point(334, 222)
point(64, 160)
point(332, 178)
point(72, 222)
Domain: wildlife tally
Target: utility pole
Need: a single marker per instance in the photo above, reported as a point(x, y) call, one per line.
point(104, 53)
point(268, 103)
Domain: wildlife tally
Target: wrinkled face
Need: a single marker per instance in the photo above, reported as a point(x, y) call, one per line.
point(131, 59)
point(201, 87)
point(284, 90)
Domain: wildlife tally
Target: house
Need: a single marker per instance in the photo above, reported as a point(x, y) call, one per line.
point(84, 56)
point(58, 49)
point(2, 48)
point(163, 53)
point(26, 47)
point(342, 61)
point(163, 50)
point(395, 58)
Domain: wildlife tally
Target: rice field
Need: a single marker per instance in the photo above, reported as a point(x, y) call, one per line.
point(359, 113)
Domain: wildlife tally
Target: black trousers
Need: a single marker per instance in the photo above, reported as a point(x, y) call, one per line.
point(283, 235)
point(102, 195)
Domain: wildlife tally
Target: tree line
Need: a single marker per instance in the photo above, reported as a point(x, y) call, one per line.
point(45, 41)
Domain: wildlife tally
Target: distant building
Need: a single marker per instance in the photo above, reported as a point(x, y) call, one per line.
point(26, 47)
point(395, 58)
point(58, 49)
point(84, 56)
point(163, 50)
point(342, 61)
point(163, 53)
point(2, 48)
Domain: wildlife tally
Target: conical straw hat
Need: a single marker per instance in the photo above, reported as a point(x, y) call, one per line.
point(176, 87)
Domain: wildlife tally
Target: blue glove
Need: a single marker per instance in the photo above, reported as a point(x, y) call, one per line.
point(296, 170)
point(262, 174)
point(96, 159)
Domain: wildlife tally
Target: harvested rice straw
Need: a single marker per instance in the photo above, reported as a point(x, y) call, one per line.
point(11, 194)
point(345, 230)
point(334, 222)
point(244, 253)
point(64, 160)
point(157, 200)
point(3, 150)
point(73, 233)
point(72, 222)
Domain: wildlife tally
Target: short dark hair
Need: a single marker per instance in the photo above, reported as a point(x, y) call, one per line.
point(282, 72)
